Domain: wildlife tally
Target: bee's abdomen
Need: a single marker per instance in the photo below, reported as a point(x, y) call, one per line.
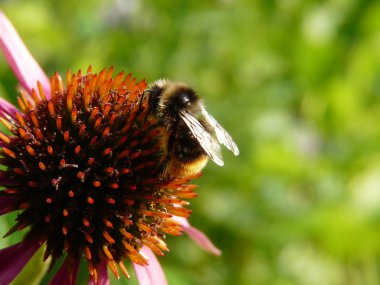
point(187, 156)
point(178, 168)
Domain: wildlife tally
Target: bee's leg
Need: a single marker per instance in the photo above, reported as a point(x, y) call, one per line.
point(163, 168)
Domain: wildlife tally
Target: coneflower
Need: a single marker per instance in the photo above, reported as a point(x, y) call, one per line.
point(80, 163)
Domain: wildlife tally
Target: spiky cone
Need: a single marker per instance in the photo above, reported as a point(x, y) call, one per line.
point(81, 167)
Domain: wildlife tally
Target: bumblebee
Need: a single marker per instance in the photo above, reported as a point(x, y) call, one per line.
point(191, 134)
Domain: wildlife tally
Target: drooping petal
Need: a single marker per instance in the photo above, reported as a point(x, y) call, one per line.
point(67, 274)
point(102, 275)
point(14, 258)
point(152, 273)
point(25, 67)
point(7, 108)
point(198, 237)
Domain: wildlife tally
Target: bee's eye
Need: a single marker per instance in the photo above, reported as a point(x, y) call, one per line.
point(185, 99)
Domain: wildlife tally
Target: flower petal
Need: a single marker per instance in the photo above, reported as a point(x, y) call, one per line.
point(198, 237)
point(67, 274)
point(7, 108)
point(102, 275)
point(14, 258)
point(152, 273)
point(25, 67)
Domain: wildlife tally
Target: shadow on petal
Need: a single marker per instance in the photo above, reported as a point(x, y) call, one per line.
point(102, 275)
point(14, 258)
point(67, 274)
point(5, 203)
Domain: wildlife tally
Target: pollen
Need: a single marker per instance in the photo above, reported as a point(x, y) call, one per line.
point(82, 168)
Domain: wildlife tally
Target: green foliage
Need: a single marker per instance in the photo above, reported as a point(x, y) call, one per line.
point(296, 84)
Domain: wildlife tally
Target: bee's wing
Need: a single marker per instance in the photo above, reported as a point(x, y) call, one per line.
point(206, 141)
point(221, 134)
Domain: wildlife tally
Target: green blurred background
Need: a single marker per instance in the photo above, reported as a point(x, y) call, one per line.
point(295, 82)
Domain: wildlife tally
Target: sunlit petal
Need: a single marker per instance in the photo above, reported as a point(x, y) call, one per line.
point(198, 237)
point(151, 274)
point(7, 108)
point(24, 66)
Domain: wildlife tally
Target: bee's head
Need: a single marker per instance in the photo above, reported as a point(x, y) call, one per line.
point(182, 97)
point(171, 97)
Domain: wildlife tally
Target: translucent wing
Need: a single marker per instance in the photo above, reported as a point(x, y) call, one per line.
point(221, 134)
point(206, 141)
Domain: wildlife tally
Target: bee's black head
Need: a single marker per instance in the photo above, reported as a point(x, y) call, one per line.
point(170, 97)
point(183, 98)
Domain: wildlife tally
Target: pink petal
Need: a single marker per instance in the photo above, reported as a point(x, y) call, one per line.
point(152, 273)
point(67, 274)
point(198, 237)
point(25, 67)
point(7, 108)
point(14, 258)
point(102, 275)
